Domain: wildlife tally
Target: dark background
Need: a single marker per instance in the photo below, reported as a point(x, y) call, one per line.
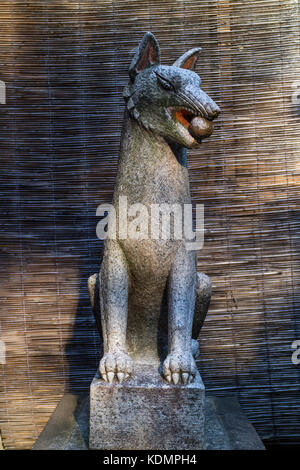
point(65, 64)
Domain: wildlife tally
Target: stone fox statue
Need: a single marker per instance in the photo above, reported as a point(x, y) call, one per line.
point(148, 299)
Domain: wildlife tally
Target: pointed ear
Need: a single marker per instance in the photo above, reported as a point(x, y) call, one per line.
point(147, 54)
point(188, 59)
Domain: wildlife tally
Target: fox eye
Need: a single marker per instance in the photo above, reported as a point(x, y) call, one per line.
point(165, 83)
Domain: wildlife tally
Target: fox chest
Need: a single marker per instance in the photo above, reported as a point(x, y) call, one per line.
point(153, 194)
point(164, 184)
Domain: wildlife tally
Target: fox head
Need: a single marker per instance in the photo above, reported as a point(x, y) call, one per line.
point(168, 100)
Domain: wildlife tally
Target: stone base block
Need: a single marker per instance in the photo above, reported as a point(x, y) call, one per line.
point(226, 427)
point(146, 413)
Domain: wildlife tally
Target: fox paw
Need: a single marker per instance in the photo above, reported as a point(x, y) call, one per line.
point(179, 368)
point(115, 366)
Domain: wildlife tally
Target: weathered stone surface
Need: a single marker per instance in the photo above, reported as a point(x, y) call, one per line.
point(147, 298)
point(146, 413)
point(221, 432)
point(216, 436)
point(79, 439)
point(238, 430)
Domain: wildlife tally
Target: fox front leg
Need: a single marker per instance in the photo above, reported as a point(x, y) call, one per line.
point(114, 280)
point(180, 366)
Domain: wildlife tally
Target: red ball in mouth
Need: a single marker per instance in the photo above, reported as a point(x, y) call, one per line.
point(200, 128)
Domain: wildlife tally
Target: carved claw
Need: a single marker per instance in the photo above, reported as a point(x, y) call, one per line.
point(115, 366)
point(120, 376)
point(179, 368)
point(104, 377)
point(175, 378)
point(110, 376)
point(185, 378)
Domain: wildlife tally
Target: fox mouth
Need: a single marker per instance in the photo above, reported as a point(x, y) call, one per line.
point(196, 125)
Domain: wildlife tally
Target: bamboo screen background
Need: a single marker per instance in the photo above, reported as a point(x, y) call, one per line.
point(65, 64)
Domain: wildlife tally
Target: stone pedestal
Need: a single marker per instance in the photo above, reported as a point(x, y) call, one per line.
point(226, 427)
point(145, 412)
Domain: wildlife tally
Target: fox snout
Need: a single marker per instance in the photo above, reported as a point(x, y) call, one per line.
point(212, 109)
point(206, 107)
